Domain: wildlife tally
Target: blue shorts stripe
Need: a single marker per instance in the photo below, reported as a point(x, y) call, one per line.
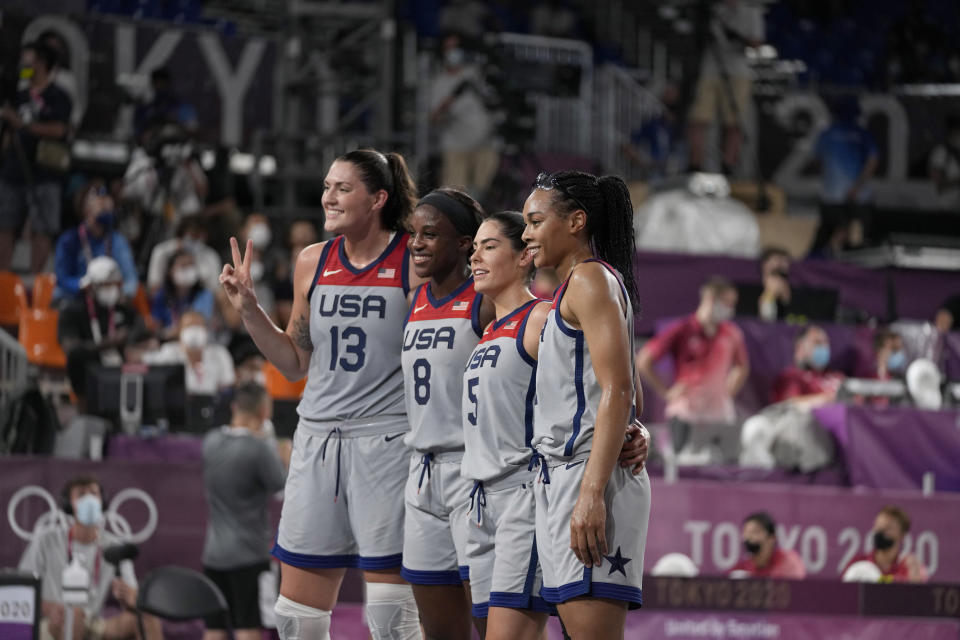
point(464, 572)
point(556, 595)
point(380, 562)
point(542, 606)
point(430, 578)
point(308, 561)
point(481, 610)
point(617, 592)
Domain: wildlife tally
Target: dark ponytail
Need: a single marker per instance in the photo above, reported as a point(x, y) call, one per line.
point(389, 172)
point(606, 201)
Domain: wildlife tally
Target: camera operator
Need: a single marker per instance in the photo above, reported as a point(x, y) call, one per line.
point(465, 123)
point(34, 128)
point(725, 81)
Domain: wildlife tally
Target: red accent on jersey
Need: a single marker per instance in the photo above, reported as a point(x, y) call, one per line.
point(458, 306)
point(386, 271)
point(510, 328)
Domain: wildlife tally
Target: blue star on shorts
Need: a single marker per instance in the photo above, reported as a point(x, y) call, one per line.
point(618, 563)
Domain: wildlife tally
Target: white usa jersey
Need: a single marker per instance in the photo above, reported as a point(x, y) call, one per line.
point(437, 340)
point(498, 396)
point(568, 394)
point(356, 320)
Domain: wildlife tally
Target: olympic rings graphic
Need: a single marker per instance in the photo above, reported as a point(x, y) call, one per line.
point(55, 518)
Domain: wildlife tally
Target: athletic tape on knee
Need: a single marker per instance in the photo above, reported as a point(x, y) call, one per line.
point(297, 621)
point(391, 612)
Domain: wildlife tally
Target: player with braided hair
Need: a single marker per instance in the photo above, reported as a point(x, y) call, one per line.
point(587, 392)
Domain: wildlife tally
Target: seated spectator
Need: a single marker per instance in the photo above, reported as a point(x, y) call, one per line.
point(775, 298)
point(302, 233)
point(891, 357)
point(243, 467)
point(764, 558)
point(948, 315)
point(192, 236)
point(94, 236)
point(248, 364)
point(889, 529)
point(140, 344)
point(710, 360)
point(96, 323)
point(83, 542)
point(182, 291)
point(256, 228)
point(808, 382)
point(209, 367)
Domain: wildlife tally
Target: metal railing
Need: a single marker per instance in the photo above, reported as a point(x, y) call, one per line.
point(623, 104)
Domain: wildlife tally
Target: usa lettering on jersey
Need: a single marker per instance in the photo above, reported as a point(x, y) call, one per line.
point(351, 305)
point(429, 338)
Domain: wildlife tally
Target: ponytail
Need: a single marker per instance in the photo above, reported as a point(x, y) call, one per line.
point(606, 201)
point(387, 172)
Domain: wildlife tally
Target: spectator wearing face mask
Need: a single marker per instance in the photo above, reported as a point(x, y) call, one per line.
point(248, 364)
point(208, 366)
point(808, 382)
point(182, 291)
point(256, 228)
point(891, 357)
point(889, 529)
point(82, 544)
point(96, 235)
point(764, 558)
point(192, 236)
point(710, 362)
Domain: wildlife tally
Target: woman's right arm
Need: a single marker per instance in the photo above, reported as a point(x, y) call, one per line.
point(289, 350)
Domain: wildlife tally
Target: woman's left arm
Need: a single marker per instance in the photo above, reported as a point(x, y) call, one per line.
point(594, 301)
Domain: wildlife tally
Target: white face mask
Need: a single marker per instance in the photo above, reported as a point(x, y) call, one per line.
point(260, 235)
point(256, 271)
point(107, 296)
point(185, 277)
point(454, 57)
point(721, 312)
point(194, 337)
point(88, 510)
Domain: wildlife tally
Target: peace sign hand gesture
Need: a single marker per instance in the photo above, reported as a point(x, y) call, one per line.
point(237, 282)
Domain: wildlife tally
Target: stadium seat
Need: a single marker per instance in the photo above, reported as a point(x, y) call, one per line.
point(279, 387)
point(13, 298)
point(43, 286)
point(142, 304)
point(38, 335)
point(178, 593)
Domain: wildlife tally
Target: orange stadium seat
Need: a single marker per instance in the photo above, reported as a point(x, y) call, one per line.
point(141, 303)
point(43, 286)
point(279, 387)
point(13, 298)
point(38, 335)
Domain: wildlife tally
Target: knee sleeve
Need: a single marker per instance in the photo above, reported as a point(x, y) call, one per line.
point(297, 621)
point(391, 612)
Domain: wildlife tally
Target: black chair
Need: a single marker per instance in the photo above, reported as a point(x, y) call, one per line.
point(178, 593)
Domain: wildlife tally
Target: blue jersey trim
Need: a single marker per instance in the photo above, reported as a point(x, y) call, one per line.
point(413, 303)
point(386, 252)
point(475, 314)
point(556, 595)
point(464, 571)
point(520, 334)
point(481, 610)
point(430, 578)
point(528, 408)
point(405, 271)
point(499, 322)
point(581, 395)
point(320, 264)
point(531, 569)
point(436, 304)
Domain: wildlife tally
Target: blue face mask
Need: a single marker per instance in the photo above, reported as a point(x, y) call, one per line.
point(897, 361)
point(89, 510)
point(106, 219)
point(820, 357)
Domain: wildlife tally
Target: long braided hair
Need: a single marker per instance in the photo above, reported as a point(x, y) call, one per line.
point(606, 202)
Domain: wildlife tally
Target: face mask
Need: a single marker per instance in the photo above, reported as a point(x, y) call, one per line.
point(106, 219)
point(194, 337)
point(721, 313)
point(753, 548)
point(881, 541)
point(192, 243)
point(260, 235)
point(186, 277)
point(256, 271)
point(454, 57)
point(820, 357)
point(108, 296)
point(897, 360)
point(89, 510)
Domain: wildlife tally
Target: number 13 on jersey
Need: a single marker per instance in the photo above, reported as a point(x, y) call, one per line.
point(354, 343)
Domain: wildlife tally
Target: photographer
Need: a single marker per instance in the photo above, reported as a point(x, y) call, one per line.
point(34, 128)
point(465, 124)
point(725, 82)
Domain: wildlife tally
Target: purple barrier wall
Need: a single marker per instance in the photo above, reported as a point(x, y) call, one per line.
point(825, 525)
point(668, 284)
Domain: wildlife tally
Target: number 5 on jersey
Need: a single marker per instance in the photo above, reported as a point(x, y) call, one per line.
point(472, 396)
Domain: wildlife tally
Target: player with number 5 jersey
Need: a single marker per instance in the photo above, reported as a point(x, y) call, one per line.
point(343, 500)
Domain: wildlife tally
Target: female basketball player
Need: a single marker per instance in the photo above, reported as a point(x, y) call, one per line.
point(586, 393)
point(445, 322)
point(498, 400)
point(343, 501)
